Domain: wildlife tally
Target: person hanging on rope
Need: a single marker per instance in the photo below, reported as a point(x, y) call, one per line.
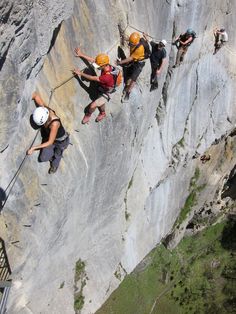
point(221, 37)
point(158, 60)
point(139, 51)
point(55, 138)
point(182, 42)
point(109, 79)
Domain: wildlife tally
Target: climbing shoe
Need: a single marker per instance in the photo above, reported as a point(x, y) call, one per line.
point(52, 169)
point(101, 116)
point(86, 118)
point(153, 87)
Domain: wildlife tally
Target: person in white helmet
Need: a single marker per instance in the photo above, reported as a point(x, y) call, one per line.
point(221, 37)
point(158, 59)
point(56, 138)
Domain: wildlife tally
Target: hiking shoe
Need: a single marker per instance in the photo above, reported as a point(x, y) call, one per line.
point(52, 169)
point(153, 87)
point(101, 116)
point(86, 118)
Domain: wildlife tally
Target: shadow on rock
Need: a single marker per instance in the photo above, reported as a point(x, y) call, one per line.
point(229, 188)
point(228, 239)
point(2, 198)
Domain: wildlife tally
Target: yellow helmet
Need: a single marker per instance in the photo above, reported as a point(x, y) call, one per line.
point(134, 38)
point(102, 59)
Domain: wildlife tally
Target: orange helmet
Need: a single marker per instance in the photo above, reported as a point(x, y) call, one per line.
point(134, 38)
point(102, 59)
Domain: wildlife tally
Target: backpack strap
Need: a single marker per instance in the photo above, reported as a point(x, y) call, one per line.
point(136, 47)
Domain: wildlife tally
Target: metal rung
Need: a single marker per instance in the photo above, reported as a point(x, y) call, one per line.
point(4, 300)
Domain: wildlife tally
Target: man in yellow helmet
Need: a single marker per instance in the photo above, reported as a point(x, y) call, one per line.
point(135, 60)
point(105, 81)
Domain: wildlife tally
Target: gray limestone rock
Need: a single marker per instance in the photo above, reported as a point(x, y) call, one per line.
point(122, 182)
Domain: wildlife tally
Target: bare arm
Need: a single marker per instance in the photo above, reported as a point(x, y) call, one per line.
point(79, 53)
point(52, 136)
point(215, 31)
point(38, 100)
point(145, 36)
point(186, 41)
point(177, 38)
point(87, 76)
point(164, 61)
point(127, 60)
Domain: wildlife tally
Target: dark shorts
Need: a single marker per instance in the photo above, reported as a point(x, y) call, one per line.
point(136, 69)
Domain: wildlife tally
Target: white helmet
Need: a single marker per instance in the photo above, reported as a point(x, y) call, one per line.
point(164, 42)
point(40, 115)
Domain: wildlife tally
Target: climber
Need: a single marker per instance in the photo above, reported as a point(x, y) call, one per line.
point(158, 60)
point(135, 61)
point(106, 83)
point(55, 138)
point(182, 43)
point(204, 158)
point(221, 37)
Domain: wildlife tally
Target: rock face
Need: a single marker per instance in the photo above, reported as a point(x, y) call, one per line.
point(122, 182)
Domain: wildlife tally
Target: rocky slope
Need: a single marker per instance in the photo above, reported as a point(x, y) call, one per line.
point(122, 183)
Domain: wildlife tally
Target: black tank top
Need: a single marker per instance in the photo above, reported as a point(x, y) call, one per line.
point(60, 132)
point(185, 37)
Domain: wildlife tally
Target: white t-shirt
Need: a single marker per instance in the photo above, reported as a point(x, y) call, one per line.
point(223, 36)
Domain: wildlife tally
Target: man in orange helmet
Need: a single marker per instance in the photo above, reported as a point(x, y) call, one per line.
point(105, 84)
point(135, 60)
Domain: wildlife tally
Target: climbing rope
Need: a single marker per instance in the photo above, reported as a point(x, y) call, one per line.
point(153, 37)
point(61, 84)
point(14, 178)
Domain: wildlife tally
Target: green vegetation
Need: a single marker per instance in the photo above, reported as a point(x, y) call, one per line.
point(79, 302)
point(192, 197)
point(181, 142)
point(80, 282)
point(62, 285)
point(127, 215)
point(197, 277)
point(117, 275)
point(79, 269)
point(130, 183)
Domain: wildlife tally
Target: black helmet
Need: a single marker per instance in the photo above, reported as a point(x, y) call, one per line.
point(189, 31)
point(222, 30)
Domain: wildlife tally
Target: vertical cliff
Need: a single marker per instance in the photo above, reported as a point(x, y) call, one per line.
point(122, 182)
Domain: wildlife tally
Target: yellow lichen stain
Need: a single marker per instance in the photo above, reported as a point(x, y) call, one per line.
point(229, 153)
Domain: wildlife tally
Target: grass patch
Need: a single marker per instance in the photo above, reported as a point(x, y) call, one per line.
point(79, 269)
point(79, 302)
point(189, 203)
point(80, 282)
point(196, 277)
point(191, 200)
